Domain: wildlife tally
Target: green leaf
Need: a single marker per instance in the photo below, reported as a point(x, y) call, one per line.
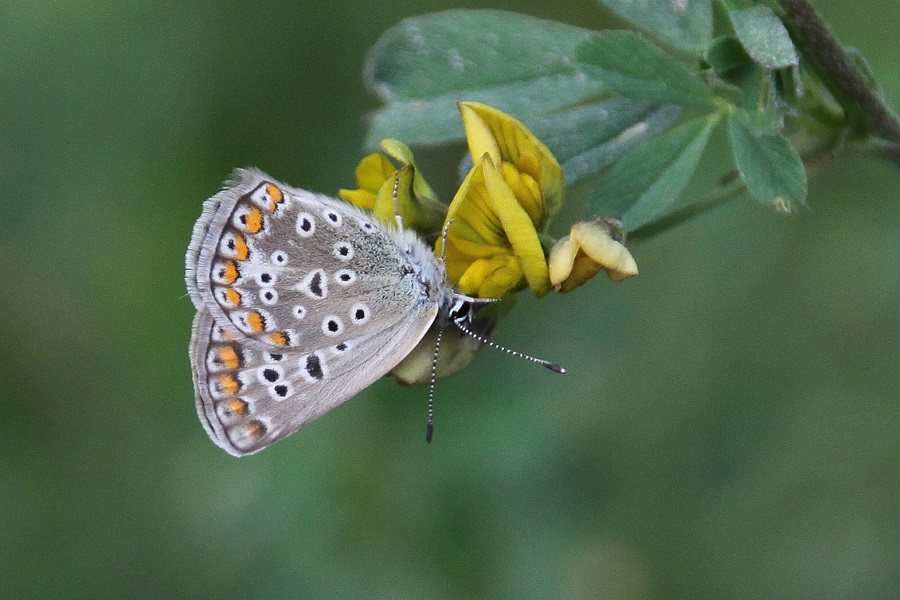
point(646, 181)
point(685, 24)
point(424, 65)
point(588, 138)
point(628, 64)
point(768, 164)
point(764, 37)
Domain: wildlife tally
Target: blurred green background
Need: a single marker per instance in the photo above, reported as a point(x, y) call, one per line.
point(728, 428)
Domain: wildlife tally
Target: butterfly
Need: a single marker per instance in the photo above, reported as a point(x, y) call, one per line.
point(302, 301)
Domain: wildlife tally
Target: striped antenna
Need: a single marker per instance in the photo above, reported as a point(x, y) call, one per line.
point(544, 363)
point(457, 316)
point(429, 428)
point(395, 195)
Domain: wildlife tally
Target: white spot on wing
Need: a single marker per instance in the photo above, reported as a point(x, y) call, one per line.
point(306, 225)
point(345, 276)
point(360, 314)
point(332, 325)
point(315, 284)
point(332, 217)
point(268, 296)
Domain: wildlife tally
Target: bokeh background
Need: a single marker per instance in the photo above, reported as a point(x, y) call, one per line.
point(728, 428)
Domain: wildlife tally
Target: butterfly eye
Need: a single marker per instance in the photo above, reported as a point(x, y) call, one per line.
point(460, 311)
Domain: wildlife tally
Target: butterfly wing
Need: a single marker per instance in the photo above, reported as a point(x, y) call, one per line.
point(249, 397)
point(302, 301)
point(288, 268)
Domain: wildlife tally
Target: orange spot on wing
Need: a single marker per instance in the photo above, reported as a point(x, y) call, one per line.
point(231, 272)
point(229, 357)
point(255, 429)
point(256, 321)
point(278, 338)
point(276, 196)
point(229, 383)
point(241, 251)
point(233, 296)
point(254, 220)
point(236, 407)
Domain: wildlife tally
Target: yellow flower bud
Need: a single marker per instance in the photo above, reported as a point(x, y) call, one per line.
point(418, 206)
point(589, 247)
point(371, 173)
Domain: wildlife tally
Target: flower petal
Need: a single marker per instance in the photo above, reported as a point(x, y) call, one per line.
point(583, 269)
point(562, 257)
point(598, 244)
point(477, 273)
point(504, 138)
point(360, 198)
point(520, 230)
point(527, 192)
point(419, 214)
point(472, 248)
point(372, 171)
point(492, 229)
point(589, 247)
point(402, 154)
point(479, 135)
point(502, 280)
point(501, 207)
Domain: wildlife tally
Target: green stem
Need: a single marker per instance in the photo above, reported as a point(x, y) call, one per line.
point(718, 197)
point(865, 109)
point(730, 188)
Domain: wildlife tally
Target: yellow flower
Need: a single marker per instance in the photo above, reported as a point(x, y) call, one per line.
point(589, 247)
point(376, 176)
point(371, 173)
point(515, 185)
point(529, 166)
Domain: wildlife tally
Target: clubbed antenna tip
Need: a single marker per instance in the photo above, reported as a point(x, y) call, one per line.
point(546, 363)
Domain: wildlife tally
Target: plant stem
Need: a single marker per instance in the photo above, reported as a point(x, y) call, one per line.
point(731, 186)
point(865, 109)
point(716, 198)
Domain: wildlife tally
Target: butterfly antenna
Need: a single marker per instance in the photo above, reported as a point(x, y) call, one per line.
point(396, 195)
point(444, 231)
point(429, 427)
point(545, 363)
